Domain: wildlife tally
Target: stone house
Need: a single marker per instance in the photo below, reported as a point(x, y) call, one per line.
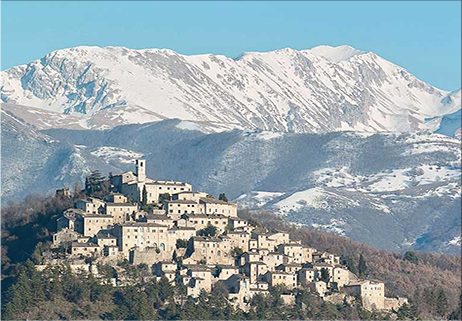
point(240, 239)
point(326, 257)
point(91, 224)
point(189, 196)
point(68, 219)
point(372, 293)
point(105, 239)
point(273, 259)
point(236, 222)
point(212, 250)
point(65, 192)
point(297, 251)
point(176, 208)
point(238, 286)
point(141, 235)
point(210, 205)
point(84, 249)
point(341, 276)
point(275, 278)
point(225, 271)
point(307, 276)
point(319, 287)
point(65, 235)
point(158, 219)
point(91, 205)
point(289, 267)
point(121, 212)
point(250, 256)
point(201, 221)
point(254, 270)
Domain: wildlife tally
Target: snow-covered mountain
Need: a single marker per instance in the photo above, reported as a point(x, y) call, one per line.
point(319, 90)
point(393, 191)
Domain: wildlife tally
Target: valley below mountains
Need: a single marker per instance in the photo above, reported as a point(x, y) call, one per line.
point(393, 191)
point(332, 138)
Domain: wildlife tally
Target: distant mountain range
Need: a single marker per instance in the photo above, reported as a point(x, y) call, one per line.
point(333, 138)
point(393, 191)
point(320, 90)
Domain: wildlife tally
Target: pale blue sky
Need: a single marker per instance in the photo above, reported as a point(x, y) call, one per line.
point(423, 37)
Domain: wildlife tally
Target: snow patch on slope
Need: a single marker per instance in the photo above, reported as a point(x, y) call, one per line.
point(116, 154)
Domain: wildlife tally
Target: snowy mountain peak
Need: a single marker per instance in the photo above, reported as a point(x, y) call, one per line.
point(335, 54)
point(318, 90)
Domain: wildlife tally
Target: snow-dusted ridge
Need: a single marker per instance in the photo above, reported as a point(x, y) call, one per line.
point(318, 90)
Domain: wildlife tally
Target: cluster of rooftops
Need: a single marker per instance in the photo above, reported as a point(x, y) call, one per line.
point(194, 239)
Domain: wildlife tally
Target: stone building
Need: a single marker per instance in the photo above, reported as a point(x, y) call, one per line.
point(211, 250)
point(84, 249)
point(90, 224)
point(319, 287)
point(213, 206)
point(121, 212)
point(64, 192)
point(240, 239)
point(307, 276)
point(201, 221)
point(90, 206)
point(254, 270)
point(225, 271)
point(135, 185)
point(372, 293)
point(176, 208)
point(275, 278)
point(139, 235)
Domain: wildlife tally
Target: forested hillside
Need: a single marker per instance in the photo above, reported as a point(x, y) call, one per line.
point(430, 281)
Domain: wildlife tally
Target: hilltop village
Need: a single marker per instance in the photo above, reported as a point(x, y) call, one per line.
point(193, 239)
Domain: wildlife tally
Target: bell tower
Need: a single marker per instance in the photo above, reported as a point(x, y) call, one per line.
point(141, 170)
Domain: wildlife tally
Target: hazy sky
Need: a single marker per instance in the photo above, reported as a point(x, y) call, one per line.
point(423, 37)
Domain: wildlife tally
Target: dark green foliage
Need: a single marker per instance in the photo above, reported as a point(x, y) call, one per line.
point(441, 303)
point(236, 252)
point(96, 185)
point(222, 197)
point(325, 275)
point(210, 230)
point(164, 197)
point(456, 314)
point(144, 200)
point(411, 257)
point(362, 267)
point(181, 244)
point(351, 265)
point(56, 293)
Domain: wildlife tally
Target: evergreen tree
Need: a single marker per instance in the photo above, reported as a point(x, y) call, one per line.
point(441, 303)
point(351, 265)
point(411, 257)
point(144, 200)
point(456, 314)
point(325, 275)
point(210, 230)
point(362, 266)
point(222, 197)
point(94, 183)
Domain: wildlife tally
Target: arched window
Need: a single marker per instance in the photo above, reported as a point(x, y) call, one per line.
point(162, 246)
point(219, 253)
point(155, 245)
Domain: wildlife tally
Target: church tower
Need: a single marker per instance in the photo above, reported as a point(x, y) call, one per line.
point(141, 170)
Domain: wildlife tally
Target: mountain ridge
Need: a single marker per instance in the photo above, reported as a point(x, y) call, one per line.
point(317, 90)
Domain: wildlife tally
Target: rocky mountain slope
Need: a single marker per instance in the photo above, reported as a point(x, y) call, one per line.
point(320, 90)
point(394, 191)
